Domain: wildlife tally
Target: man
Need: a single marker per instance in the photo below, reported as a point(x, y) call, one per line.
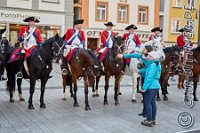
point(107, 38)
point(74, 38)
point(184, 37)
point(29, 38)
point(132, 40)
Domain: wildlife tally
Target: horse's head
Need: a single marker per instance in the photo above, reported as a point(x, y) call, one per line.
point(118, 45)
point(4, 44)
point(176, 59)
point(58, 47)
point(1, 32)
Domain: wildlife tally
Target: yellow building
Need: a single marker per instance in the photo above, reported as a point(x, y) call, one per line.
point(182, 12)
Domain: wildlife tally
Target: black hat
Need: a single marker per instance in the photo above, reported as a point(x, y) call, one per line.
point(109, 24)
point(181, 30)
point(2, 30)
point(32, 18)
point(78, 21)
point(149, 48)
point(156, 29)
point(132, 26)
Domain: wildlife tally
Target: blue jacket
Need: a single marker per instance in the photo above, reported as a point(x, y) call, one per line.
point(151, 73)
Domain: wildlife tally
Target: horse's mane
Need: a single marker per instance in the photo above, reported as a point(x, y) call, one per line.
point(196, 49)
point(48, 41)
point(93, 56)
point(167, 49)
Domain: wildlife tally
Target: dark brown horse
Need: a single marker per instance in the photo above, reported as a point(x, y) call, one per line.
point(195, 70)
point(39, 66)
point(168, 66)
point(83, 64)
point(113, 67)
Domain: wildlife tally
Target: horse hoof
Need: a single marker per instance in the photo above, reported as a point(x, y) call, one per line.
point(158, 99)
point(12, 100)
point(43, 106)
point(30, 107)
point(196, 99)
point(21, 99)
point(95, 95)
point(119, 93)
point(64, 99)
point(134, 100)
point(72, 95)
point(165, 98)
point(105, 102)
point(116, 103)
point(87, 108)
point(76, 104)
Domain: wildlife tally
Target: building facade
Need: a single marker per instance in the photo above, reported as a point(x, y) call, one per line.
point(142, 13)
point(175, 14)
point(55, 16)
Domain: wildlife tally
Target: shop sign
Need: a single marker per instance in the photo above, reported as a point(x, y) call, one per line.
point(15, 15)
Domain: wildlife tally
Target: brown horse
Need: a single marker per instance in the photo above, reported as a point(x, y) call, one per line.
point(168, 66)
point(196, 71)
point(113, 67)
point(83, 63)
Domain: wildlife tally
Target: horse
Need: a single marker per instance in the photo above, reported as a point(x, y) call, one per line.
point(195, 70)
point(112, 67)
point(38, 66)
point(83, 64)
point(169, 65)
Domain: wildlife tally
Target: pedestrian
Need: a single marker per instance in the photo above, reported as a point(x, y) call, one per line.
point(151, 86)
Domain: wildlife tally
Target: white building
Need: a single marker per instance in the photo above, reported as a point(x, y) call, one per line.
point(54, 15)
point(142, 13)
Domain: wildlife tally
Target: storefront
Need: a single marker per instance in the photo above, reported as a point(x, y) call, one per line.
point(50, 24)
point(93, 37)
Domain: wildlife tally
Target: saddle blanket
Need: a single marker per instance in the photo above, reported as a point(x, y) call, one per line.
point(16, 54)
point(103, 55)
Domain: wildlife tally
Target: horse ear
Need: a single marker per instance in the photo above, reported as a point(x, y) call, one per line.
point(2, 30)
point(56, 36)
point(64, 36)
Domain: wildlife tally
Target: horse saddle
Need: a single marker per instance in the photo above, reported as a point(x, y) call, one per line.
point(16, 54)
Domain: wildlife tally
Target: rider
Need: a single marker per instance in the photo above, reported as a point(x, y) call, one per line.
point(157, 41)
point(132, 40)
point(75, 38)
point(107, 38)
point(29, 37)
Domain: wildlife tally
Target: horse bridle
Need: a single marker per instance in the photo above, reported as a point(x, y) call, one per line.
point(60, 48)
point(119, 48)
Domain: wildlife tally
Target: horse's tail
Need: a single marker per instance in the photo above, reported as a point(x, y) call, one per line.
point(11, 78)
point(96, 65)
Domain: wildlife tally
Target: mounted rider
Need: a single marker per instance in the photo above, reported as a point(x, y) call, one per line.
point(29, 38)
point(107, 38)
point(74, 38)
point(156, 41)
point(183, 40)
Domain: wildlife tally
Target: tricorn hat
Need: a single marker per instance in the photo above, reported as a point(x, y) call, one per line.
point(132, 26)
point(32, 18)
point(181, 30)
point(109, 24)
point(156, 29)
point(78, 21)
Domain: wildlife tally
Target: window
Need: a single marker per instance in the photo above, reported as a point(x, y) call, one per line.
point(175, 25)
point(77, 1)
point(143, 15)
point(191, 24)
point(177, 3)
point(190, 4)
point(52, 1)
point(123, 13)
point(101, 11)
point(77, 13)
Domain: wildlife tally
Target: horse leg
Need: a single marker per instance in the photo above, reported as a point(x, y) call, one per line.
point(107, 77)
point(194, 91)
point(134, 91)
point(71, 90)
point(32, 89)
point(96, 94)
point(117, 80)
point(87, 106)
point(19, 82)
point(64, 87)
point(119, 92)
point(11, 84)
point(43, 85)
point(75, 92)
point(158, 97)
point(138, 84)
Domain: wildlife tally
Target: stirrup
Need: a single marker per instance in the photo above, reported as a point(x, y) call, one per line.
point(19, 75)
point(4, 78)
point(64, 71)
